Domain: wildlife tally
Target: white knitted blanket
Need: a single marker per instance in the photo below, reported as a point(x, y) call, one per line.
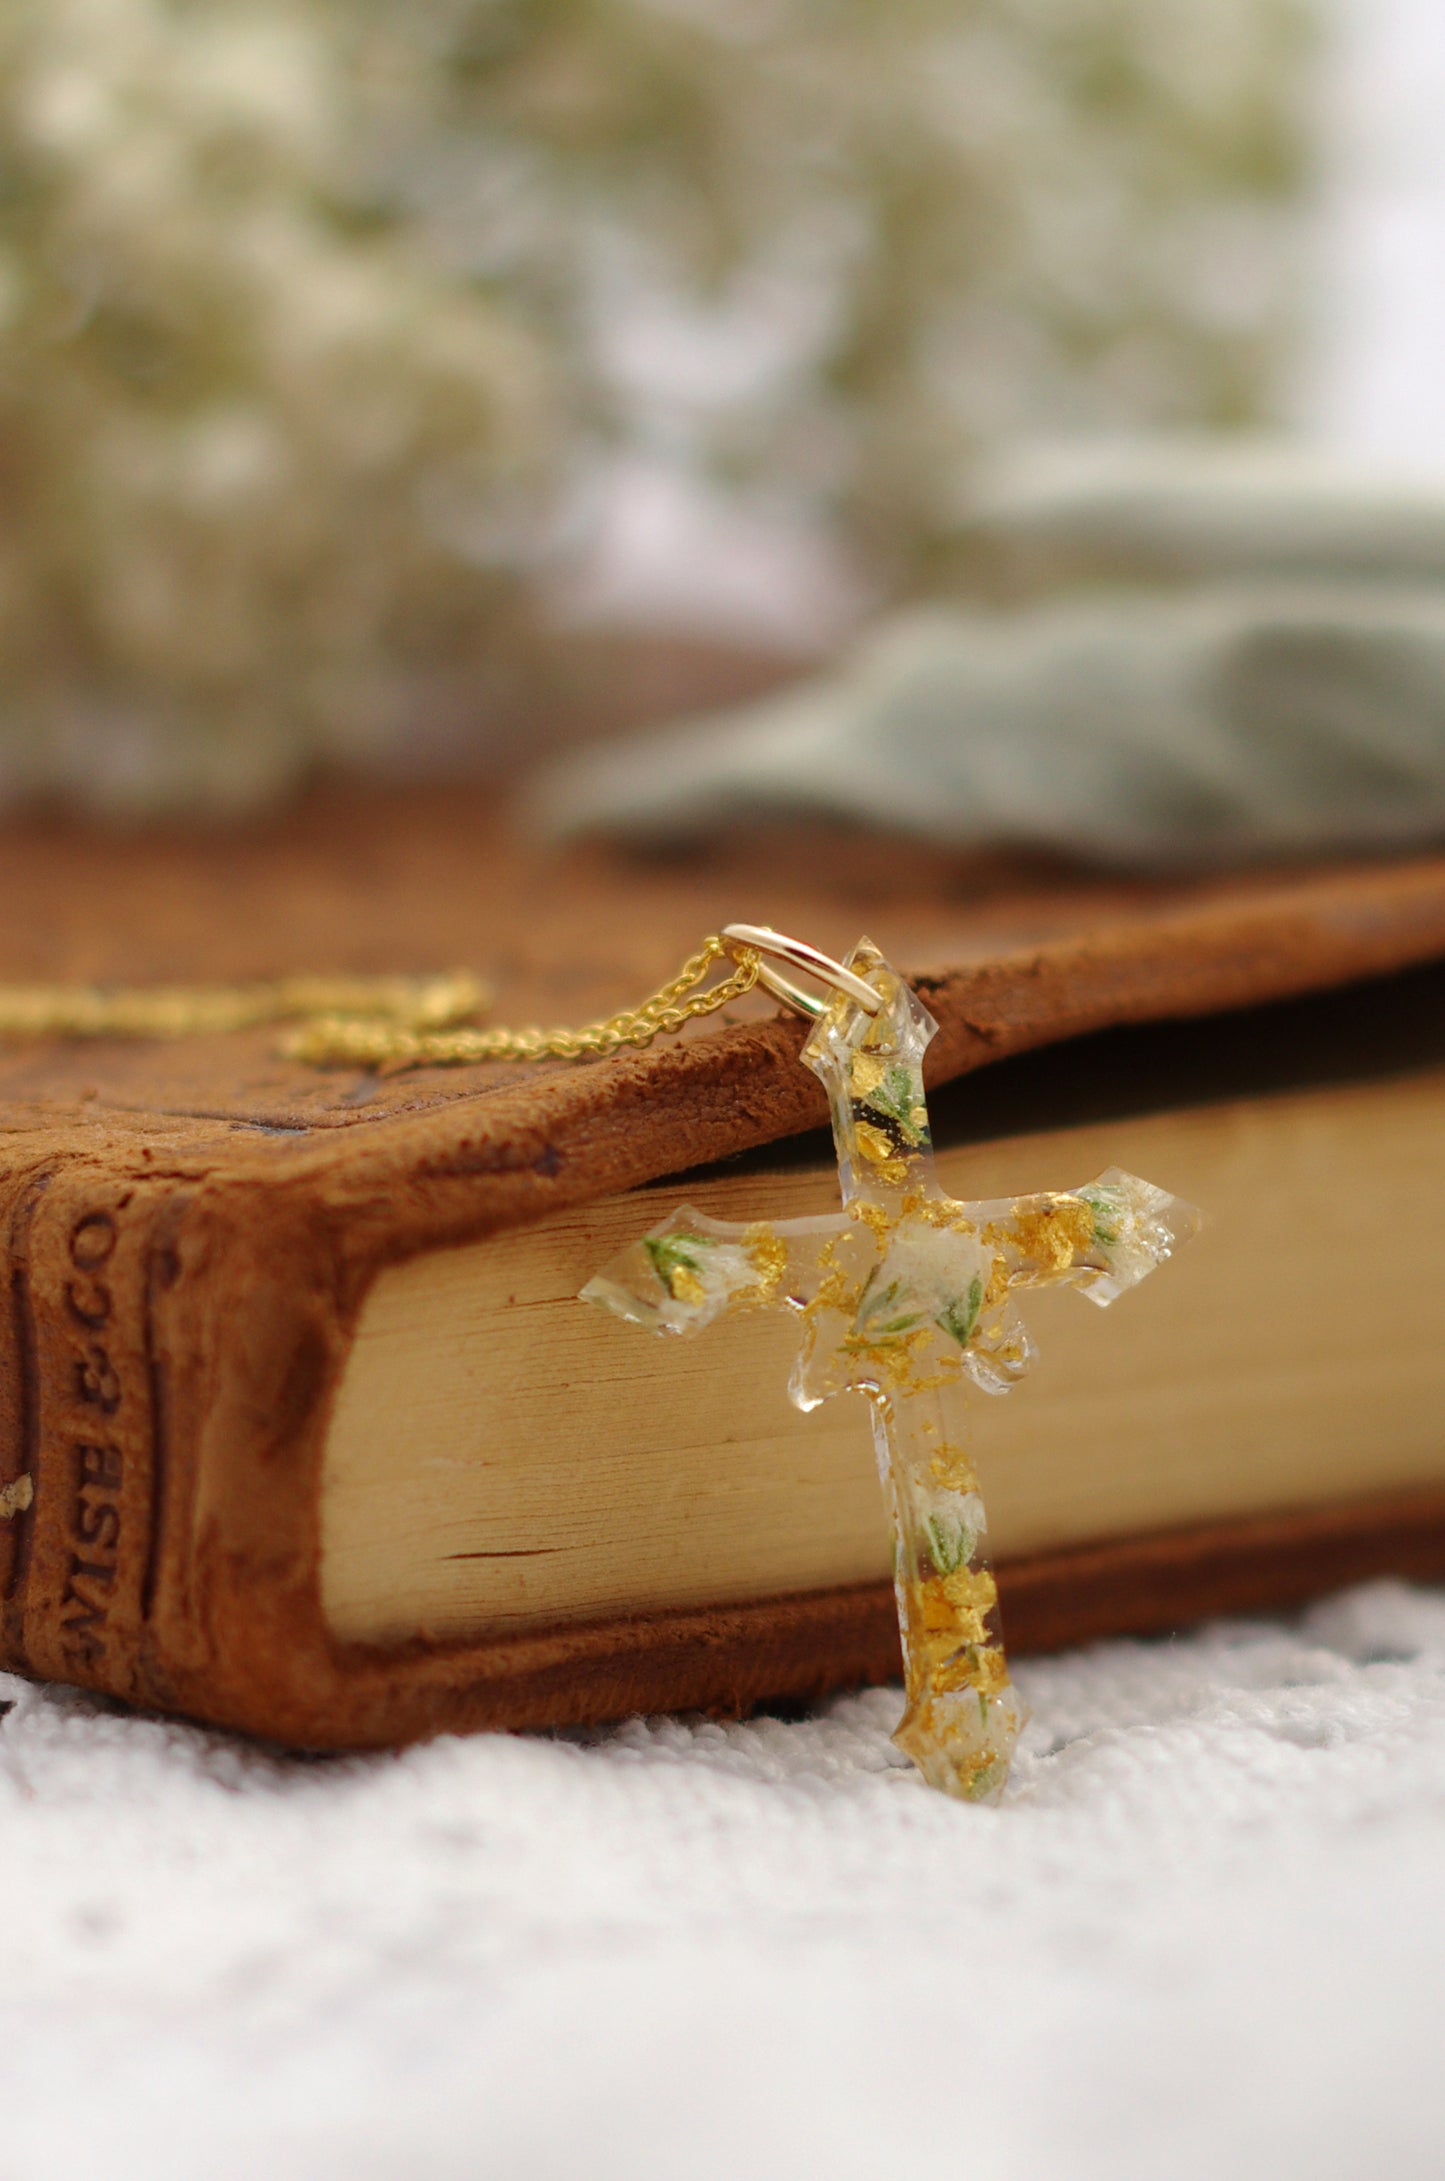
point(1203, 1936)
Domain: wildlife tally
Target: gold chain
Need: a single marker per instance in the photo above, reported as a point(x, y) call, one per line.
point(328, 1040)
point(371, 1022)
point(176, 1011)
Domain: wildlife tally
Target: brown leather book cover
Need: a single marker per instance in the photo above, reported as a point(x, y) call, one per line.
point(192, 1227)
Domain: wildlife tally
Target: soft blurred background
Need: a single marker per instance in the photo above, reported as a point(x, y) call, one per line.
point(405, 391)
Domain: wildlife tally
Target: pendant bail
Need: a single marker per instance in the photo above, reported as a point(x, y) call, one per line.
point(770, 946)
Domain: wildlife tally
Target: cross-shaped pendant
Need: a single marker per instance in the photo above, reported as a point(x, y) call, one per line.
point(905, 1296)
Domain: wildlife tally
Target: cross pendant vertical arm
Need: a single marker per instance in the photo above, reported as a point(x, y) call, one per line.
point(896, 1324)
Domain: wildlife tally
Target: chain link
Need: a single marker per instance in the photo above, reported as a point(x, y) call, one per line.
point(372, 1022)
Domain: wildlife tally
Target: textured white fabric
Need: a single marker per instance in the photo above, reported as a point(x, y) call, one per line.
point(1202, 1937)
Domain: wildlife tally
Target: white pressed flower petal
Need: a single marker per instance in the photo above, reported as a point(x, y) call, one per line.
point(725, 1268)
point(933, 1264)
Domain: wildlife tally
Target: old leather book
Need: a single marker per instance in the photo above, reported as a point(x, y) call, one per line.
point(263, 1318)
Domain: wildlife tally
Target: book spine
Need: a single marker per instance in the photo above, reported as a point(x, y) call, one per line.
point(81, 1461)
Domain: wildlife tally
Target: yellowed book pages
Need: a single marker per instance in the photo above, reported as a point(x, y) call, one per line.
point(501, 1456)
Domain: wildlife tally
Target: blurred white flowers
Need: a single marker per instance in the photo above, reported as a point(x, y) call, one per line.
point(323, 325)
point(229, 416)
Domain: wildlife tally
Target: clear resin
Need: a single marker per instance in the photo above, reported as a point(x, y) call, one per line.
point(909, 1297)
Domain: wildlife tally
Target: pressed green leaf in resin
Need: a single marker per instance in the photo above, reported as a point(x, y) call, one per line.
point(959, 1316)
point(674, 1253)
point(908, 1297)
point(952, 1542)
point(1106, 1208)
point(897, 1102)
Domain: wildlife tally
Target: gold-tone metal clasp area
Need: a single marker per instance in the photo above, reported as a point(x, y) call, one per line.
point(775, 946)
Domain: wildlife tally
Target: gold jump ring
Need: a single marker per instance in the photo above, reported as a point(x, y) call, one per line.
point(761, 940)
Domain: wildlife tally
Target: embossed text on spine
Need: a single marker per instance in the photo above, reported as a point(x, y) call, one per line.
point(96, 1462)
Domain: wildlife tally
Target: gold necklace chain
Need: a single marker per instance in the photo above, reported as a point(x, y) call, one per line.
point(382, 1041)
point(372, 1022)
point(177, 1011)
point(428, 1022)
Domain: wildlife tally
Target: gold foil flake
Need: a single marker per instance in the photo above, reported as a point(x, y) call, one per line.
point(979, 1666)
point(769, 1253)
point(949, 1606)
point(951, 1468)
point(937, 1212)
point(893, 1366)
point(874, 1217)
point(836, 1290)
point(991, 1669)
point(903, 1302)
point(1048, 1236)
point(934, 1610)
point(971, 1590)
point(982, 1778)
point(881, 1153)
point(865, 1072)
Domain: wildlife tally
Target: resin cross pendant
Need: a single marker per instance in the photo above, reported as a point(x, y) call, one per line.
point(908, 1296)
